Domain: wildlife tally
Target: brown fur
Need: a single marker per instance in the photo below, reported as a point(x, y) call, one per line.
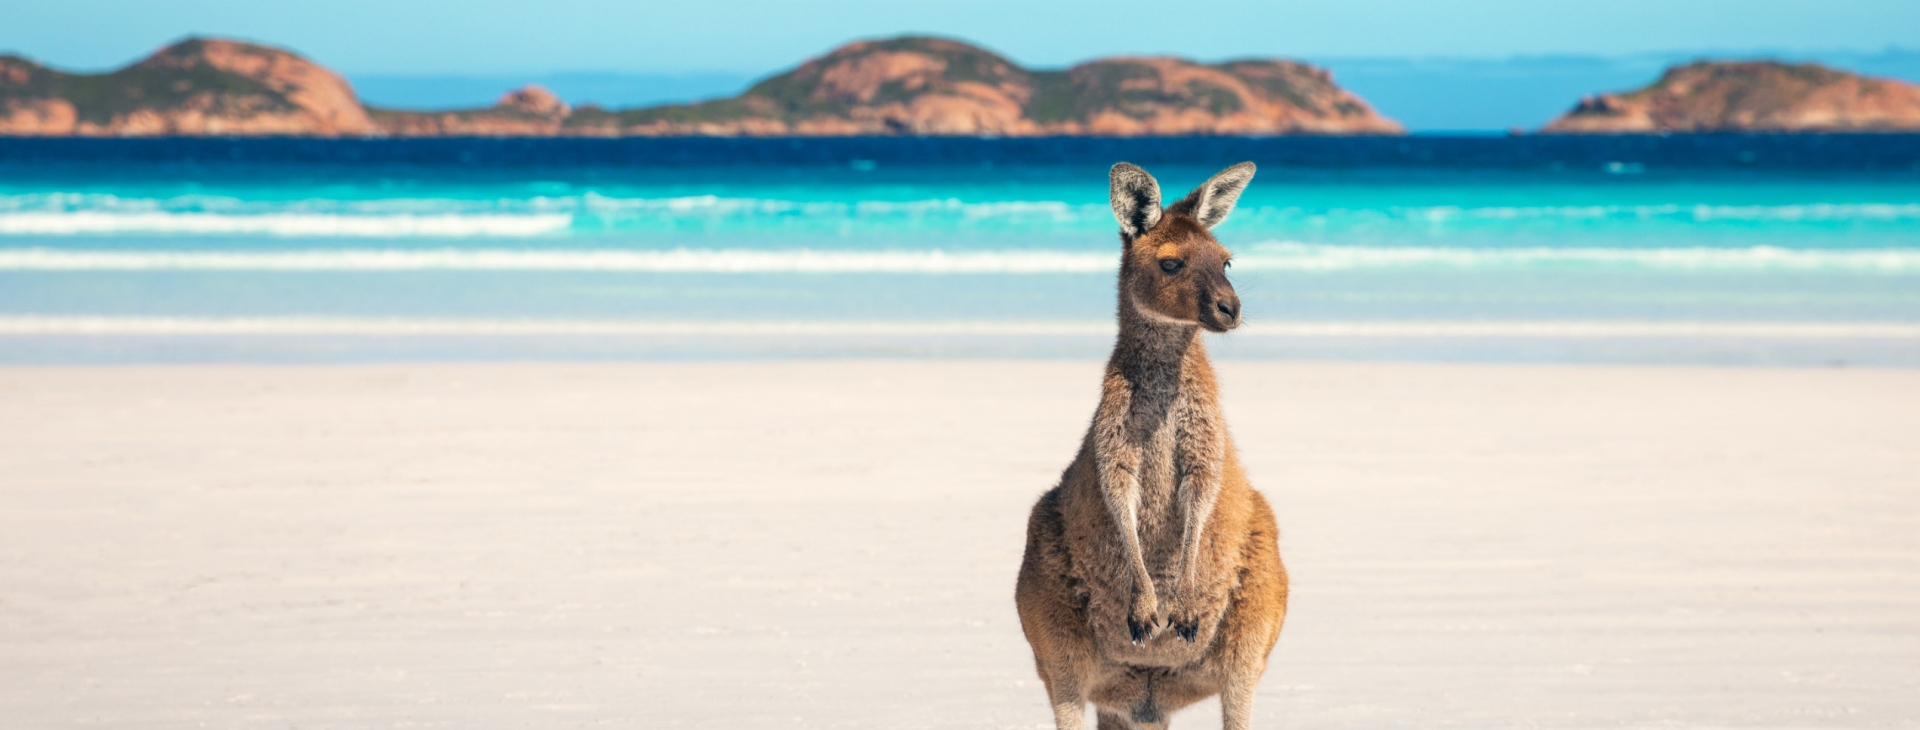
point(1152, 577)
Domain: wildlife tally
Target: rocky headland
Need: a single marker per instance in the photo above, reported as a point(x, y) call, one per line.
point(1750, 96)
point(933, 86)
point(195, 87)
point(901, 86)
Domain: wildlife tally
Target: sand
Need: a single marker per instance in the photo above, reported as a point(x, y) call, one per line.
point(833, 543)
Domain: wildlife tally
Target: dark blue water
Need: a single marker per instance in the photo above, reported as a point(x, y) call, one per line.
point(1596, 154)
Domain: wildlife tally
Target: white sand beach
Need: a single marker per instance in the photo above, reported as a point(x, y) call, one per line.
point(832, 544)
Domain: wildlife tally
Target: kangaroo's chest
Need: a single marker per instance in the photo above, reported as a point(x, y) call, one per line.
point(1158, 435)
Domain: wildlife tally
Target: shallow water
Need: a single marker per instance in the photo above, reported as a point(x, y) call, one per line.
point(1759, 239)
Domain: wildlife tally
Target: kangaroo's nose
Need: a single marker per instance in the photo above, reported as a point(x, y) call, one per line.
point(1229, 308)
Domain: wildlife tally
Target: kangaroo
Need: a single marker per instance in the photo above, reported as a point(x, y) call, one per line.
point(1152, 576)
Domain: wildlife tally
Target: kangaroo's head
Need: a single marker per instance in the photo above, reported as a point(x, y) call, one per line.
point(1172, 268)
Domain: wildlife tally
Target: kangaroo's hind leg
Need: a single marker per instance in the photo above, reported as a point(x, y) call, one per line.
point(1253, 620)
point(1053, 618)
point(1069, 700)
point(1236, 703)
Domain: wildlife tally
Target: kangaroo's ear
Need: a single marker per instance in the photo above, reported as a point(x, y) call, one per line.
point(1213, 200)
point(1136, 199)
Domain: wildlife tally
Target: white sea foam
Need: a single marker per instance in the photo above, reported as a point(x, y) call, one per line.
point(1283, 255)
point(94, 325)
point(719, 205)
point(71, 213)
point(290, 225)
point(1273, 256)
point(348, 326)
point(673, 261)
point(1696, 212)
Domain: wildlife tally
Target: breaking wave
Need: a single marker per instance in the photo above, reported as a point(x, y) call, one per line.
point(720, 205)
point(1274, 256)
point(286, 225)
point(1697, 213)
point(80, 214)
point(1320, 257)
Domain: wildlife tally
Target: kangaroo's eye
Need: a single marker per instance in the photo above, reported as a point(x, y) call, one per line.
point(1171, 265)
point(1228, 264)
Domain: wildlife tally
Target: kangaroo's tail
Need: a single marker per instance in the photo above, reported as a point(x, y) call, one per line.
point(1146, 711)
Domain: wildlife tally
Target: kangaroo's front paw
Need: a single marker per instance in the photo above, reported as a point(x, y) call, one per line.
point(1181, 619)
point(1143, 618)
point(1185, 626)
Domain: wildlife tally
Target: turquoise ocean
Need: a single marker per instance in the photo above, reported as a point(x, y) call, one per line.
point(1689, 249)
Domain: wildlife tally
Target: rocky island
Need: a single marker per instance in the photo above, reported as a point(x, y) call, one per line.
point(901, 86)
point(195, 87)
point(935, 86)
point(1750, 96)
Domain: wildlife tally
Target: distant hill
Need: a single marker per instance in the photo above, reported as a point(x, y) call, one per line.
point(1429, 94)
point(1768, 96)
point(913, 86)
point(195, 87)
point(1425, 94)
point(936, 86)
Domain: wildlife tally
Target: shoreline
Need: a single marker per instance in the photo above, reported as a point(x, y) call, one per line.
point(29, 341)
point(92, 325)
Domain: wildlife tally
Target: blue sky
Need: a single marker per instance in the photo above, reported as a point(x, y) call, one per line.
point(488, 37)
